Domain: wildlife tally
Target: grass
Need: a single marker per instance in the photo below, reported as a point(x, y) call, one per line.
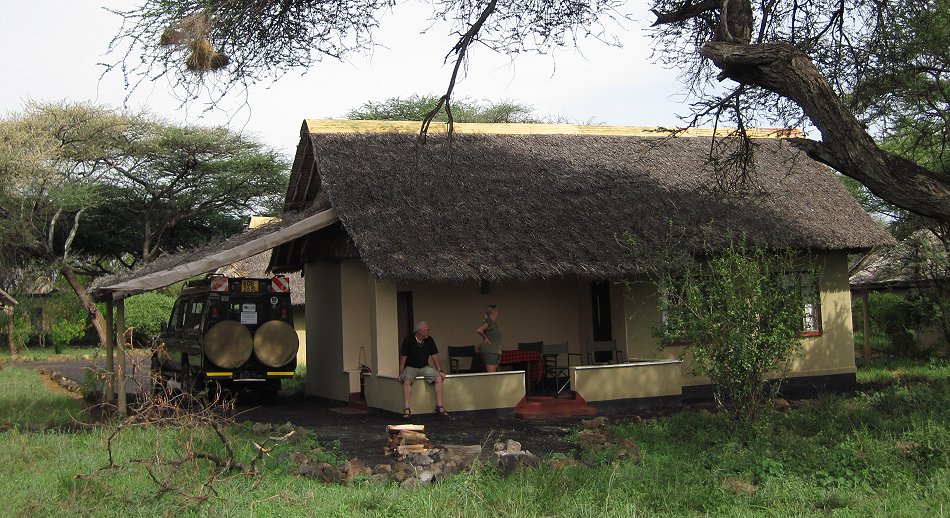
point(50, 355)
point(883, 452)
point(27, 401)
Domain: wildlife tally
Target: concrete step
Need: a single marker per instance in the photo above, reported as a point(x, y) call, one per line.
point(534, 407)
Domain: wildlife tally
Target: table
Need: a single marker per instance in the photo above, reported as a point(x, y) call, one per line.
point(531, 358)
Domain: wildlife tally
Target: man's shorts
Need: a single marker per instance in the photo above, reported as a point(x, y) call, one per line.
point(427, 372)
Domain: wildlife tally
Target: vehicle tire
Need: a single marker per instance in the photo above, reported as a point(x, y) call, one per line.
point(270, 390)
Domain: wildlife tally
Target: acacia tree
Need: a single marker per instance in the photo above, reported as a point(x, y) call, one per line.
point(81, 180)
point(787, 60)
point(418, 107)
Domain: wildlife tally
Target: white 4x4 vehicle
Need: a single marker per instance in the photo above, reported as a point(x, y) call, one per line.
point(228, 331)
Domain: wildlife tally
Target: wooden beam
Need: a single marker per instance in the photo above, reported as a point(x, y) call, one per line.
point(107, 390)
point(120, 368)
point(867, 324)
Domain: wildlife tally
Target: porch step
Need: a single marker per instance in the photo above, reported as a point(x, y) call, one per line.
point(536, 407)
point(357, 402)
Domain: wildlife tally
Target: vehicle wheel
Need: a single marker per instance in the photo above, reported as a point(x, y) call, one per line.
point(271, 389)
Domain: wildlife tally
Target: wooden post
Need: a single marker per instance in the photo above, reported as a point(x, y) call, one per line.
point(9, 311)
point(867, 325)
point(120, 367)
point(107, 393)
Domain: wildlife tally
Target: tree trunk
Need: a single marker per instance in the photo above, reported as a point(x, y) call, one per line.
point(846, 146)
point(98, 321)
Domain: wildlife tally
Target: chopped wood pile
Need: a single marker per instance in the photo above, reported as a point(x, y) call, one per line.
point(405, 439)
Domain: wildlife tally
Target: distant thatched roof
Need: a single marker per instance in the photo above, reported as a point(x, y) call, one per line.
point(517, 204)
point(257, 266)
point(6, 299)
point(905, 265)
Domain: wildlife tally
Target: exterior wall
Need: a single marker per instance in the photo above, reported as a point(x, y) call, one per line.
point(528, 312)
point(337, 311)
point(628, 380)
point(830, 353)
point(480, 391)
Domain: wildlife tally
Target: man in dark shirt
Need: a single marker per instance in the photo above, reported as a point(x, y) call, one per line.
point(414, 354)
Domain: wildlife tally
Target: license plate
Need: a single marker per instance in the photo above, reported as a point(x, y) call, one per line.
point(249, 287)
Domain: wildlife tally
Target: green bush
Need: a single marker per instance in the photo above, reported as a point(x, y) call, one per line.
point(147, 311)
point(892, 317)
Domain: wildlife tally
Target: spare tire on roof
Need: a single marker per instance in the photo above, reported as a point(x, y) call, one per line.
point(276, 343)
point(228, 344)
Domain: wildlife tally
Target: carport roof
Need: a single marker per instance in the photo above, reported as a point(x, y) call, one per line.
point(172, 269)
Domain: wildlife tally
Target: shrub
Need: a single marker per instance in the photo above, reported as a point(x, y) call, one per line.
point(147, 311)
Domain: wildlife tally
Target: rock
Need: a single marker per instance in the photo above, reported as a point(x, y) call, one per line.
point(354, 468)
point(588, 439)
point(795, 404)
point(512, 445)
point(382, 469)
point(380, 477)
point(782, 405)
point(596, 422)
point(299, 458)
point(561, 463)
point(905, 447)
point(419, 459)
point(308, 470)
point(630, 451)
point(739, 486)
point(508, 463)
point(330, 474)
point(426, 476)
point(500, 446)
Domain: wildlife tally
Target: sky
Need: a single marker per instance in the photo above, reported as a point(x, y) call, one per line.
point(53, 50)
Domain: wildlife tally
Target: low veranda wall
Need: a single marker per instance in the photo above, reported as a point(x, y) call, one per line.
point(461, 392)
point(638, 379)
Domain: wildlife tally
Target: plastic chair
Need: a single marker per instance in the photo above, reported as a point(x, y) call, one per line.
point(600, 346)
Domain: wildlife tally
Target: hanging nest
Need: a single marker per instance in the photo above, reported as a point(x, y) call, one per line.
point(185, 31)
point(204, 58)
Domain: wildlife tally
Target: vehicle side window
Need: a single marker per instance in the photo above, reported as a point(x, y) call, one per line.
point(178, 313)
point(193, 314)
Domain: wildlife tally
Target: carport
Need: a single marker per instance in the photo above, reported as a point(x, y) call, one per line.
point(164, 272)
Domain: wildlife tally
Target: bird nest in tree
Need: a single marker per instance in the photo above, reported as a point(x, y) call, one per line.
point(191, 33)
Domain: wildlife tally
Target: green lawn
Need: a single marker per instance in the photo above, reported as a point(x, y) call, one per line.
point(881, 453)
point(49, 354)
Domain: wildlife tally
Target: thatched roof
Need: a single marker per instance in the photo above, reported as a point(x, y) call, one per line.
point(530, 202)
point(6, 299)
point(905, 265)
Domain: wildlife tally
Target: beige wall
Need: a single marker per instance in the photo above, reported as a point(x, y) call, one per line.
point(461, 392)
point(547, 311)
point(628, 381)
point(830, 353)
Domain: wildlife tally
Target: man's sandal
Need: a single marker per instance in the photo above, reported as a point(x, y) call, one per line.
point(441, 411)
point(406, 413)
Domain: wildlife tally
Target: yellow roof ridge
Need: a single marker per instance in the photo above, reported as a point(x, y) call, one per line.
point(377, 126)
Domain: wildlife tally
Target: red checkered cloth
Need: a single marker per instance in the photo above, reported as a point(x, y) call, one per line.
point(533, 358)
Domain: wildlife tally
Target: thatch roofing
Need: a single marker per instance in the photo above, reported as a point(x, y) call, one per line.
point(905, 265)
point(174, 268)
point(528, 202)
point(6, 299)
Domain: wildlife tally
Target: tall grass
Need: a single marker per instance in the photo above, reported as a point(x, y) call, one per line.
point(26, 401)
point(880, 453)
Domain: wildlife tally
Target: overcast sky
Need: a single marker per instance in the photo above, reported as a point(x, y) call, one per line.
point(51, 51)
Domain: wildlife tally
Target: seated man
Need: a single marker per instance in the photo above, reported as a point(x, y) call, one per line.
point(414, 356)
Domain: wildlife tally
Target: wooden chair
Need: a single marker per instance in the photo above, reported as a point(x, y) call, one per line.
point(603, 346)
point(458, 353)
point(554, 369)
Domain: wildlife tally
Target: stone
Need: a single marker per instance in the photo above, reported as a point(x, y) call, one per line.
point(630, 451)
point(500, 446)
point(330, 474)
point(410, 483)
point(588, 439)
point(419, 459)
point(512, 445)
point(299, 458)
point(596, 422)
point(426, 476)
point(782, 405)
point(382, 469)
point(561, 463)
point(308, 470)
point(508, 463)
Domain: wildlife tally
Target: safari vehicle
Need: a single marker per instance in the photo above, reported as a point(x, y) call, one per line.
point(229, 332)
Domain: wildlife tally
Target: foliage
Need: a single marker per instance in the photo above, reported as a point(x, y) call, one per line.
point(416, 107)
point(741, 309)
point(28, 403)
point(892, 317)
point(883, 453)
point(146, 312)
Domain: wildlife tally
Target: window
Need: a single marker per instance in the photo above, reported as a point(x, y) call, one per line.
point(811, 312)
point(193, 315)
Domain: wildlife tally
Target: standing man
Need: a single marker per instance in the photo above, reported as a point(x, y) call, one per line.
point(414, 356)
